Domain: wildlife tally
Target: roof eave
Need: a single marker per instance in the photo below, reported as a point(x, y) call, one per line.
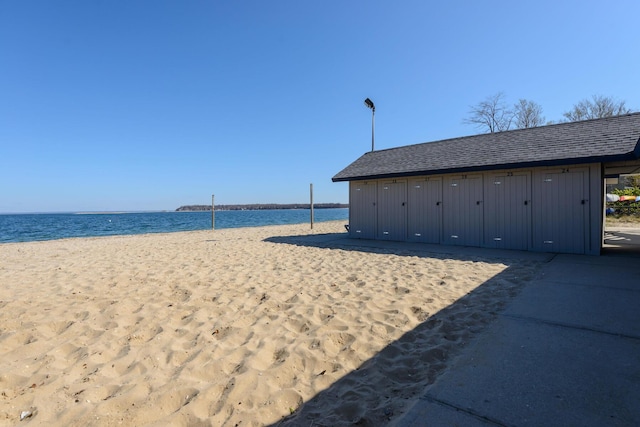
point(547, 163)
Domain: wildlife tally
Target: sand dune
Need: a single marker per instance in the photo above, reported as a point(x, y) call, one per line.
point(229, 327)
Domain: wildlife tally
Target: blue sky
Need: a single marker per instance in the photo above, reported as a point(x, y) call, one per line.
point(149, 105)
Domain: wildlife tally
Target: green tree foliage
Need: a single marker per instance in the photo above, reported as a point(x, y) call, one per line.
point(629, 191)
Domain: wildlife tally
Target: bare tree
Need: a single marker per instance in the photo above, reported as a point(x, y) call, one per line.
point(527, 114)
point(492, 114)
point(595, 108)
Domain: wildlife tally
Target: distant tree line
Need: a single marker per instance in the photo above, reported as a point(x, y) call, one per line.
point(494, 114)
point(260, 206)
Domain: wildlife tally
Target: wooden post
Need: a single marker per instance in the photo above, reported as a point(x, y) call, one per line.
point(311, 204)
point(213, 214)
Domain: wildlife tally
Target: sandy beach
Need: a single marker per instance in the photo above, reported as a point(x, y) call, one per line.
point(246, 327)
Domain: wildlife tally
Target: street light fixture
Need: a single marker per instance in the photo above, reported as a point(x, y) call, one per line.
point(369, 104)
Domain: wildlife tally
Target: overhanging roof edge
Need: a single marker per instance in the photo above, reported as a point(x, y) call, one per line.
point(485, 168)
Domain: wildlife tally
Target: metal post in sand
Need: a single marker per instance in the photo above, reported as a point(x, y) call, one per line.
point(311, 203)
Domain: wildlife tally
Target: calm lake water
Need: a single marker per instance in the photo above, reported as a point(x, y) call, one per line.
point(32, 227)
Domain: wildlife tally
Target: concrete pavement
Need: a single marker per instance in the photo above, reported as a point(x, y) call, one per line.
point(565, 352)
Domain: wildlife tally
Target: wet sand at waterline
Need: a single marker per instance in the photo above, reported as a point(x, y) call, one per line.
point(233, 327)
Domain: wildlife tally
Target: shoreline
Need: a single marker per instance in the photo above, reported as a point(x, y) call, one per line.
point(47, 227)
point(156, 233)
point(248, 325)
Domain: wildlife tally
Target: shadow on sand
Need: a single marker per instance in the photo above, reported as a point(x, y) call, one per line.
point(390, 382)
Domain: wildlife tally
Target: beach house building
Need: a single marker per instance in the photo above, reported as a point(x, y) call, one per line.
point(537, 189)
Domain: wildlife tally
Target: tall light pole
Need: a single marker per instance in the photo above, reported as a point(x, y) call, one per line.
point(369, 103)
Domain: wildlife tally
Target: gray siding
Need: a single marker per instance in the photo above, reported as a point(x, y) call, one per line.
point(462, 210)
point(561, 211)
point(595, 221)
point(507, 212)
point(392, 210)
point(424, 210)
point(362, 209)
point(541, 209)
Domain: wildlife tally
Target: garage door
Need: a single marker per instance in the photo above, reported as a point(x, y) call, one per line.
point(424, 200)
point(362, 210)
point(462, 210)
point(560, 210)
point(392, 210)
point(507, 211)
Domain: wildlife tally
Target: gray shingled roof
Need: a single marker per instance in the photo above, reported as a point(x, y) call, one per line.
point(598, 140)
